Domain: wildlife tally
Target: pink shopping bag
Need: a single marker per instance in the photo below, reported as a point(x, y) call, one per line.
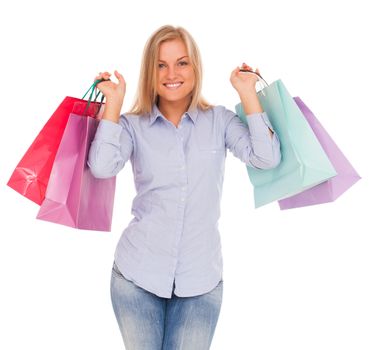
point(74, 197)
point(331, 189)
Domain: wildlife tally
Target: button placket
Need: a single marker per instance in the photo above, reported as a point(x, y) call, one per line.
point(182, 167)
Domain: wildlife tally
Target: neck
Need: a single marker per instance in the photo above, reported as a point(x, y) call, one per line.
point(173, 109)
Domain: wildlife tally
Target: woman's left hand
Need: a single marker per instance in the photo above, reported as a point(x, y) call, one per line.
point(244, 82)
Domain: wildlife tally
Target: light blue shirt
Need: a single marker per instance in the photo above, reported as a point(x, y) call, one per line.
point(178, 175)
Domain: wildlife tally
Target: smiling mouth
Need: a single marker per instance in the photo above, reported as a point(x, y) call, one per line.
point(173, 86)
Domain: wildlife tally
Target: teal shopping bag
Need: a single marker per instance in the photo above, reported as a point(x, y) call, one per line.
point(304, 163)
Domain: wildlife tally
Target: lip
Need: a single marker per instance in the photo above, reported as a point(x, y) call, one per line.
point(174, 83)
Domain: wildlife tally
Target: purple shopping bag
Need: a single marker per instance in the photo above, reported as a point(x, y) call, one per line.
point(331, 189)
point(74, 197)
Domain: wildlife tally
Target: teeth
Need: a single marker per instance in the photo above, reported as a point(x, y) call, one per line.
point(175, 85)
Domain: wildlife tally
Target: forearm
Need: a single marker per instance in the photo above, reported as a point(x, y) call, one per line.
point(111, 148)
point(251, 104)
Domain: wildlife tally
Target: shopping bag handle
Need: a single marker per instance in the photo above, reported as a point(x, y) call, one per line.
point(93, 89)
point(260, 78)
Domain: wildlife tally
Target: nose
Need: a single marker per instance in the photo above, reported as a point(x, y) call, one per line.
point(171, 72)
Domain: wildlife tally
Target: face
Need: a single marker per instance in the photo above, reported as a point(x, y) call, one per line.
point(176, 77)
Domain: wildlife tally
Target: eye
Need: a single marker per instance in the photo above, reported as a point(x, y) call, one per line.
point(183, 63)
point(161, 65)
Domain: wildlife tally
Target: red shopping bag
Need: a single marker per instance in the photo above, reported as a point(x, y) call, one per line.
point(31, 175)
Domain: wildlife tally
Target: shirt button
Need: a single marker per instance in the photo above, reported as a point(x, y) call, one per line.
point(182, 199)
point(182, 167)
point(183, 188)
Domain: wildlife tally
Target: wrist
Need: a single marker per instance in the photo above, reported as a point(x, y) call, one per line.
point(250, 103)
point(113, 102)
point(112, 111)
point(247, 93)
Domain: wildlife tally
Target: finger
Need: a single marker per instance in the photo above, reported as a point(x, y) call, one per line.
point(104, 76)
point(246, 66)
point(235, 71)
point(119, 77)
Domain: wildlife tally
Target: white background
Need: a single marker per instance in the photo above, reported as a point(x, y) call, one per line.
point(295, 279)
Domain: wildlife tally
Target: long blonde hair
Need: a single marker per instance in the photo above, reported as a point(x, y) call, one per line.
point(146, 95)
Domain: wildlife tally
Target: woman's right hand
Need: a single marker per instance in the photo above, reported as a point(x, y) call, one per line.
point(114, 93)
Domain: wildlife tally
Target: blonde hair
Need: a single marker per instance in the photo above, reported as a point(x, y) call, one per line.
point(146, 95)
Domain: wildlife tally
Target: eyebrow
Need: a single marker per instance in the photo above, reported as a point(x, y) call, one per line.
point(177, 59)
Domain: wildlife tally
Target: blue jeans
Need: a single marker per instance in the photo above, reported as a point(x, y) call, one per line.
point(149, 322)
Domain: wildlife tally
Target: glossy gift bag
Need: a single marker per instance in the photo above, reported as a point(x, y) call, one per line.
point(31, 176)
point(304, 163)
point(74, 197)
point(331, 189)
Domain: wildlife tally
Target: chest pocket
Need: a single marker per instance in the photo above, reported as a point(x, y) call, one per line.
point(212, 152)
point(211, 158)
point(211, 155)
point(211, 145)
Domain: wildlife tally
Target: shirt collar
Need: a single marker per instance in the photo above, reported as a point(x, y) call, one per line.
point(155, 114)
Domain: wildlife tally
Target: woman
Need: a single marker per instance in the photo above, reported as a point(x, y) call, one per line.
point(167, 282)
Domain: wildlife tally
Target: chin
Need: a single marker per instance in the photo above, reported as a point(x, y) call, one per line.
point(175, 98)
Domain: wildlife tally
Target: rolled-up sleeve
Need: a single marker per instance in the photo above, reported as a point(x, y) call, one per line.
point(252, 143)
point(111, 147)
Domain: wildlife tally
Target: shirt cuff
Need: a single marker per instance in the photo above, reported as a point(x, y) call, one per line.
point(108, 131)
point(259, 123)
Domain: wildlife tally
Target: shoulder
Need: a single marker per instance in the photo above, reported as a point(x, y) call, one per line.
point(132, 121)
point(218, 111)
point(221, 113)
